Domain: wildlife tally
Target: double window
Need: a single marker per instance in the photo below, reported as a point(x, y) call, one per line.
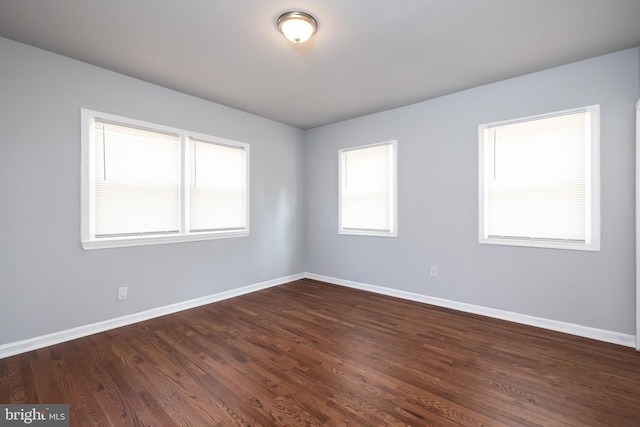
point(145, 183)
point(540, 182)
point(368, 190)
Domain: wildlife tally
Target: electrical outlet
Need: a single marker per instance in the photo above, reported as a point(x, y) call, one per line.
point(123, 293)
point(433, 270)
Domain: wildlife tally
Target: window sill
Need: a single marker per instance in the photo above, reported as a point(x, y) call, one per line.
point(371, 233)
point(122, 242)
point(576, 246)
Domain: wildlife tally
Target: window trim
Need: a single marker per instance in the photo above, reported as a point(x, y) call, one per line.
point(394, 196)
point(88, 239)
point(592, 190)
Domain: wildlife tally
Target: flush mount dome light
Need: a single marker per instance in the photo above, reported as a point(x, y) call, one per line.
point(297, 26)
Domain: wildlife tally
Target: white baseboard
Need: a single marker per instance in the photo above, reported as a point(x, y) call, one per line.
point(23, 346)
point(554, 325)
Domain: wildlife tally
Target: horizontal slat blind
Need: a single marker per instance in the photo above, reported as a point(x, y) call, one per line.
point(367, 188)
point(137, 177)
point(218, 187)
point(536, 178)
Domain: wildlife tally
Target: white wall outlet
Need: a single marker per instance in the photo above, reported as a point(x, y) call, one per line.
point(123, 293)
point(433, 270)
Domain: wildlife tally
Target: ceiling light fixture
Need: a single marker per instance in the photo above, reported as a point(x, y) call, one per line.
point(297, 26)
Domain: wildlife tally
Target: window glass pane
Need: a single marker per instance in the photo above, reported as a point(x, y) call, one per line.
point(137, 176)
point(218, 187)
point(536, 179)
point(367, 188)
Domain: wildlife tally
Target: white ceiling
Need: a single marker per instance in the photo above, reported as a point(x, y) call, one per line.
point(367, 56)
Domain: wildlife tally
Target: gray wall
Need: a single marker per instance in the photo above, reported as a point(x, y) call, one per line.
point(438, 201)
point(47, 282)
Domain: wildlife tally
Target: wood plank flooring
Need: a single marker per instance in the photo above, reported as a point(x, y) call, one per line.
point(314, 354)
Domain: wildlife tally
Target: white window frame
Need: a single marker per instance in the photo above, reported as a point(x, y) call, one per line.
point(592, 185)
point(393, 208)
point(88, 237)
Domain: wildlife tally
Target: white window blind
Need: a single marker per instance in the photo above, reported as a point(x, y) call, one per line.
point(137, 175)
point(218, 187)
point(538, 179)
point(367, 190)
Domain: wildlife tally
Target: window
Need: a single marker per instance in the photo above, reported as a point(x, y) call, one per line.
point(539, 182)
point(144, 183)
point(368, 191)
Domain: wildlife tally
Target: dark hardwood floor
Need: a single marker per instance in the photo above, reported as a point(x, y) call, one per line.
point(314, 354)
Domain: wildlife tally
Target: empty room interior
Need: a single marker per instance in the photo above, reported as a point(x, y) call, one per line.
point(422, 215)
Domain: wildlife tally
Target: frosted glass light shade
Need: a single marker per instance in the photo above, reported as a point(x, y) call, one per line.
point(297, 26)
